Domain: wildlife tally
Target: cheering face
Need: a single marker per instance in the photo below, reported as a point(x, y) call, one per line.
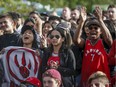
point(50, 82)
point(28, 37)
point(66, 13)
point(34, 16)
point(46, 28)
point(94, 32)
point(75, 14)
point(56, 38)
point(6, 24)
point(112, 13)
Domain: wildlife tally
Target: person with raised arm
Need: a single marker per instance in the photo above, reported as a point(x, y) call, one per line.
point(95, 57)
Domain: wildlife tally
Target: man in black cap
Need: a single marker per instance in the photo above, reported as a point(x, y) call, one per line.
point(54, 20)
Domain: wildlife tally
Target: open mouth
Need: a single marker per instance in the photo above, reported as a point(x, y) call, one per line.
point(93, 33)
point(26, 38)
point(3, 27)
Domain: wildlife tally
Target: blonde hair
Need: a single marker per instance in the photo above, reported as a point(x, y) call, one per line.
point(98, 75)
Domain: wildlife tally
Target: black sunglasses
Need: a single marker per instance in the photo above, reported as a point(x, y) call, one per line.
point(91, 27)
point(56, 36)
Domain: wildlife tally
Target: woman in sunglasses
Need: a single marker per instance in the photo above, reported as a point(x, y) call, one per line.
point(60, 57)
point(95, 57)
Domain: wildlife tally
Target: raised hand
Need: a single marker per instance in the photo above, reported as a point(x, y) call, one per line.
point(83, 15)
point(98, 11)
point(43, 41)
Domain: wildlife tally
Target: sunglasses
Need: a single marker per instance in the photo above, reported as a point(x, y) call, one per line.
point(56, 36)
point(90, 28)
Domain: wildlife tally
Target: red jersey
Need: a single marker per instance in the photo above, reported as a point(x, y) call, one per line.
point(95, 59)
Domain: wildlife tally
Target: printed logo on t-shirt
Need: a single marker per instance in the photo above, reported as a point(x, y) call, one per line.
point(53, 59)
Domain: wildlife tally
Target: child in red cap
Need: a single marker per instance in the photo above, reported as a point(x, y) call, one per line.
point(51, 78)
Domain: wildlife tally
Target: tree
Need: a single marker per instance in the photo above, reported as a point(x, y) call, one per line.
point(19, 6)
point(13, 5)
point(74, 3)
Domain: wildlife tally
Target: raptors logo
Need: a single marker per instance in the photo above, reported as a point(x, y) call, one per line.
point(20, 63)
point(24, 71)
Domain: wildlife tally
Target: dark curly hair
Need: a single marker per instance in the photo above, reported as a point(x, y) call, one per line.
point(35, 42)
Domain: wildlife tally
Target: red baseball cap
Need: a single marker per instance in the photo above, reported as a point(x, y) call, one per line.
point(53, 73)
point(33, 81)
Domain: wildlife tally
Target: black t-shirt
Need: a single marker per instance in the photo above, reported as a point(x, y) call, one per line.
point(111, 25)
point(9, 40)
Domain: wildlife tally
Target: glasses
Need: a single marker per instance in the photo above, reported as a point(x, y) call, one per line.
point(90, 28)
point(29, 85)
point(3, 22)
point(56, 36)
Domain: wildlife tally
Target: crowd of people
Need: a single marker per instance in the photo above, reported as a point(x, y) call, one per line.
point(76, 49)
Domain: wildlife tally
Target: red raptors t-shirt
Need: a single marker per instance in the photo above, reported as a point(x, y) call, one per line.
point(54, 58)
